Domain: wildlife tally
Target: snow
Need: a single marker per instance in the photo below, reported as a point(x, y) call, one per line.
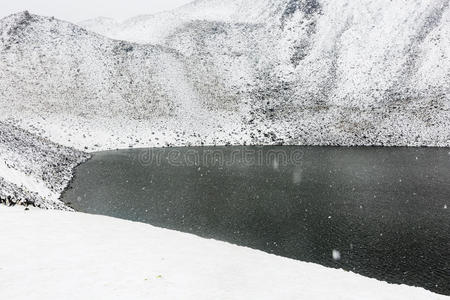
point(236, 72)
point(34, 170)
point(220, 72)
point(29, 182)
point(336, 254)
point(77, 256)
point(156, 28)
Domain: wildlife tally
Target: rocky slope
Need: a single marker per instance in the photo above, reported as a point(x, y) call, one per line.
point(33, 170)
point(294, 72)
point(83, 89)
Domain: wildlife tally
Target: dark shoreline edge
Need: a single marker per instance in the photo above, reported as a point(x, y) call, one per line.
point(69, 183)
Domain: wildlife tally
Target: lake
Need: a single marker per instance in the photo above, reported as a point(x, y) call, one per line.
point(379, 212)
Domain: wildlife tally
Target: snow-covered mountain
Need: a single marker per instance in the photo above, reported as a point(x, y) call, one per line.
point(103, 25)
point(51, 69)
point(293, 71)
point(367, 48)
point(155, 28)
point(234, 72)
point(56, 63)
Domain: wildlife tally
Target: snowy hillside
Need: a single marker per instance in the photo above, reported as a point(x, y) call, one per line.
point(293, 72)
point(61, 78)
point(353, 53)
point(155, 28)
point(165, 265)
point(60, 64)
point(33, 170)
point(105, 26)
point(348, 50)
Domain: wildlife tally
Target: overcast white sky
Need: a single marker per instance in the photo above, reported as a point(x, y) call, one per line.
point(79, 10)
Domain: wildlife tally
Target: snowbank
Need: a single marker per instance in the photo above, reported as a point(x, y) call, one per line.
point(76, 256)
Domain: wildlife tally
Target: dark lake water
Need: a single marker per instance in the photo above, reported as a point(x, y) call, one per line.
point(379, 212)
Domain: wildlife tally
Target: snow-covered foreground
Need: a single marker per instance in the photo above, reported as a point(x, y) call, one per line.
point(63, 255)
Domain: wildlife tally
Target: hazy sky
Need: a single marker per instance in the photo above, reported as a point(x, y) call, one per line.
point(79, 10)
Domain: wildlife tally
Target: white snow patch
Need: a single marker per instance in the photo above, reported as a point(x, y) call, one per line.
point(31, 183)
point(58, 255)
point(336, 255)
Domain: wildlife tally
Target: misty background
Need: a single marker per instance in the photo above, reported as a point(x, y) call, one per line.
point(80, 10)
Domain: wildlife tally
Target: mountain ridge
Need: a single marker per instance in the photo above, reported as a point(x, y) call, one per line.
point(315, 73)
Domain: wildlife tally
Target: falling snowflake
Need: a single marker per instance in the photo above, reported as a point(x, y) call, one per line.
point(336, 255)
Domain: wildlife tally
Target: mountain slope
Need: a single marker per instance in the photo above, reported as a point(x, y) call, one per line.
point(155, 28)
point(33, 170)
point(53, 72)
point(67, 62)
point(348, 50)
point(297, 72)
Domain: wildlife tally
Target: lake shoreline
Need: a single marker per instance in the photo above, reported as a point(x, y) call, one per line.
point(272, 198)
